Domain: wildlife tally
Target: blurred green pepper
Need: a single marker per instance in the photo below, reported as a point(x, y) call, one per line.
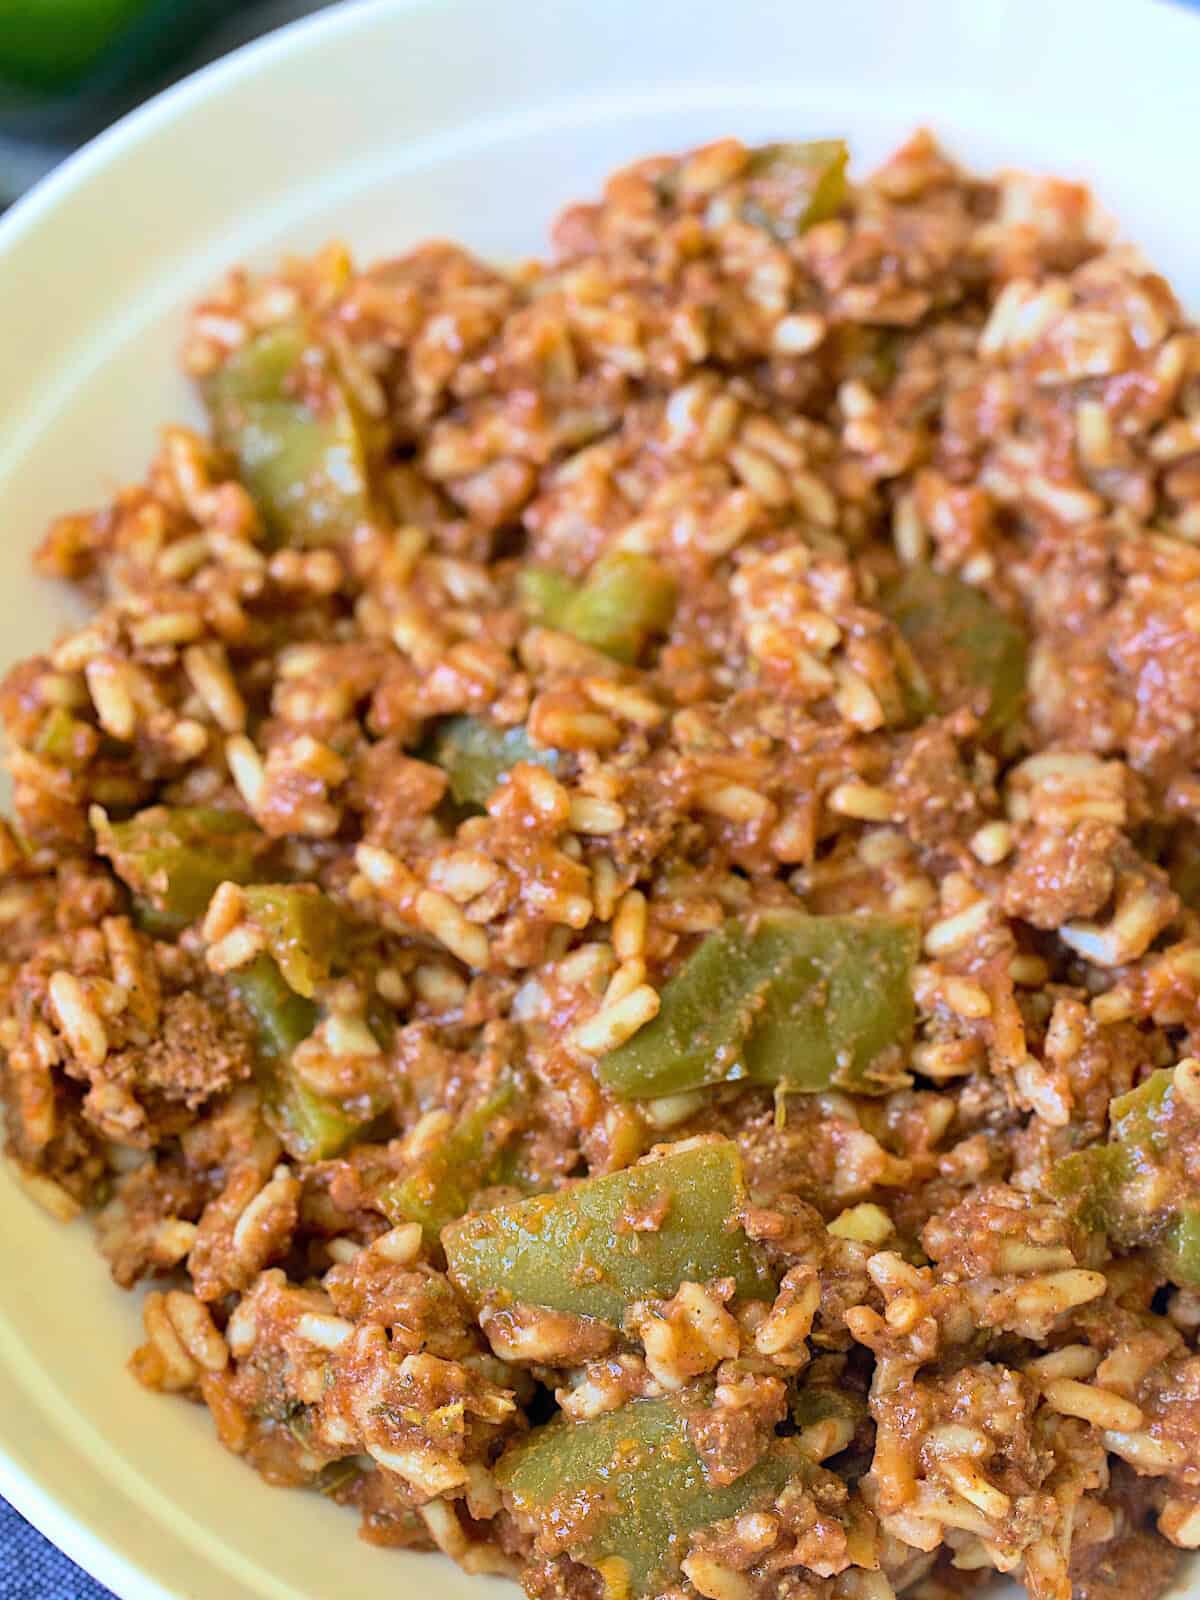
point(66, 741)
point(439, 1188)
point(965, 645)
point(811, 1404)
point(475, 756)
point(281, 411)
point(789, 187)
point(76, 58)
point(174, 857)
point(311, 1127)
point(622, 1492)
point(1180, 1248)
point(780, 998)
point(1137, 1188)
point(625, 598)
point(302, 928)
point(1089, 1182)
point(597, 1246)
point(545, 594)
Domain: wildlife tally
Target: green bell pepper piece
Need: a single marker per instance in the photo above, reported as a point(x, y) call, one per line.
point(1090, 1182)
point(301, 458)
point(625, 598)
point(789, 187)
point(439, 1188)
point(66, 741)
point(811, 1404)
point(1136, 1188)
point(1140, 1120)
point(622, 1492)
point(546, 594)
point(302, 928)
point(174, 857)
point(1180, 1249)
point(967, 647)
point(282, 1017)
point(310, 1126)
point(588, 1249)
point(476, 756)
point(781, 998)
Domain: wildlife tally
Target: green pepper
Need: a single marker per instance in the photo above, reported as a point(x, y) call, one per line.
point(622, 1492)
point(302, 929)
point(1090, 1181)
point(311, 1127)
point(625, 598)
point(1140, 1120)
point(476, 755)
point(811, 1404)
point(789, 187)
point(1180, 1249)
point(597, 1246)
point(279, 408)
point(66, 741)
point(174, 858)
point(967, 646)
point(283, 1018)
point(780, 998)
point(1137, 1188)
point(440, 1186)
point(337, 1477)
point(546, 594)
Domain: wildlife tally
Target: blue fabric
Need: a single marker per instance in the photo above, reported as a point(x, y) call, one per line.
point(32, 1569)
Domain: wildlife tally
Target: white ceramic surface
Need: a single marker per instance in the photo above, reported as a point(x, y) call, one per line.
point(383, 123)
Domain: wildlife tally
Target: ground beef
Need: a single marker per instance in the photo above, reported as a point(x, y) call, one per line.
point(777, 550)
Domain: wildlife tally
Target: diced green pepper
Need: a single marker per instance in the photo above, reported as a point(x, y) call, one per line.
point(1139, 1120)
point(283, 1018)
point(622, 1492)
point(1090, 1182)
point(965, 645)
point(599, 1245)
point(789, 187)
point(781, 998)
point(439, 1188)
point(1137, 1188)
point(311, 1127)
point(625, 598)
point(337, 1477)
point(811, 1404)
point(546, 594)
point(66, 741)
point(476, 755)
point(174, 857)
point(1181, 1246)
point(302, 928)
point(279, 408)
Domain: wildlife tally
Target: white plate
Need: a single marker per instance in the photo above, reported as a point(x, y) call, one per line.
point(385, 123)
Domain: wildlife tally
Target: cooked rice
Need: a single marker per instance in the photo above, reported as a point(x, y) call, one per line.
point(945, 371)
